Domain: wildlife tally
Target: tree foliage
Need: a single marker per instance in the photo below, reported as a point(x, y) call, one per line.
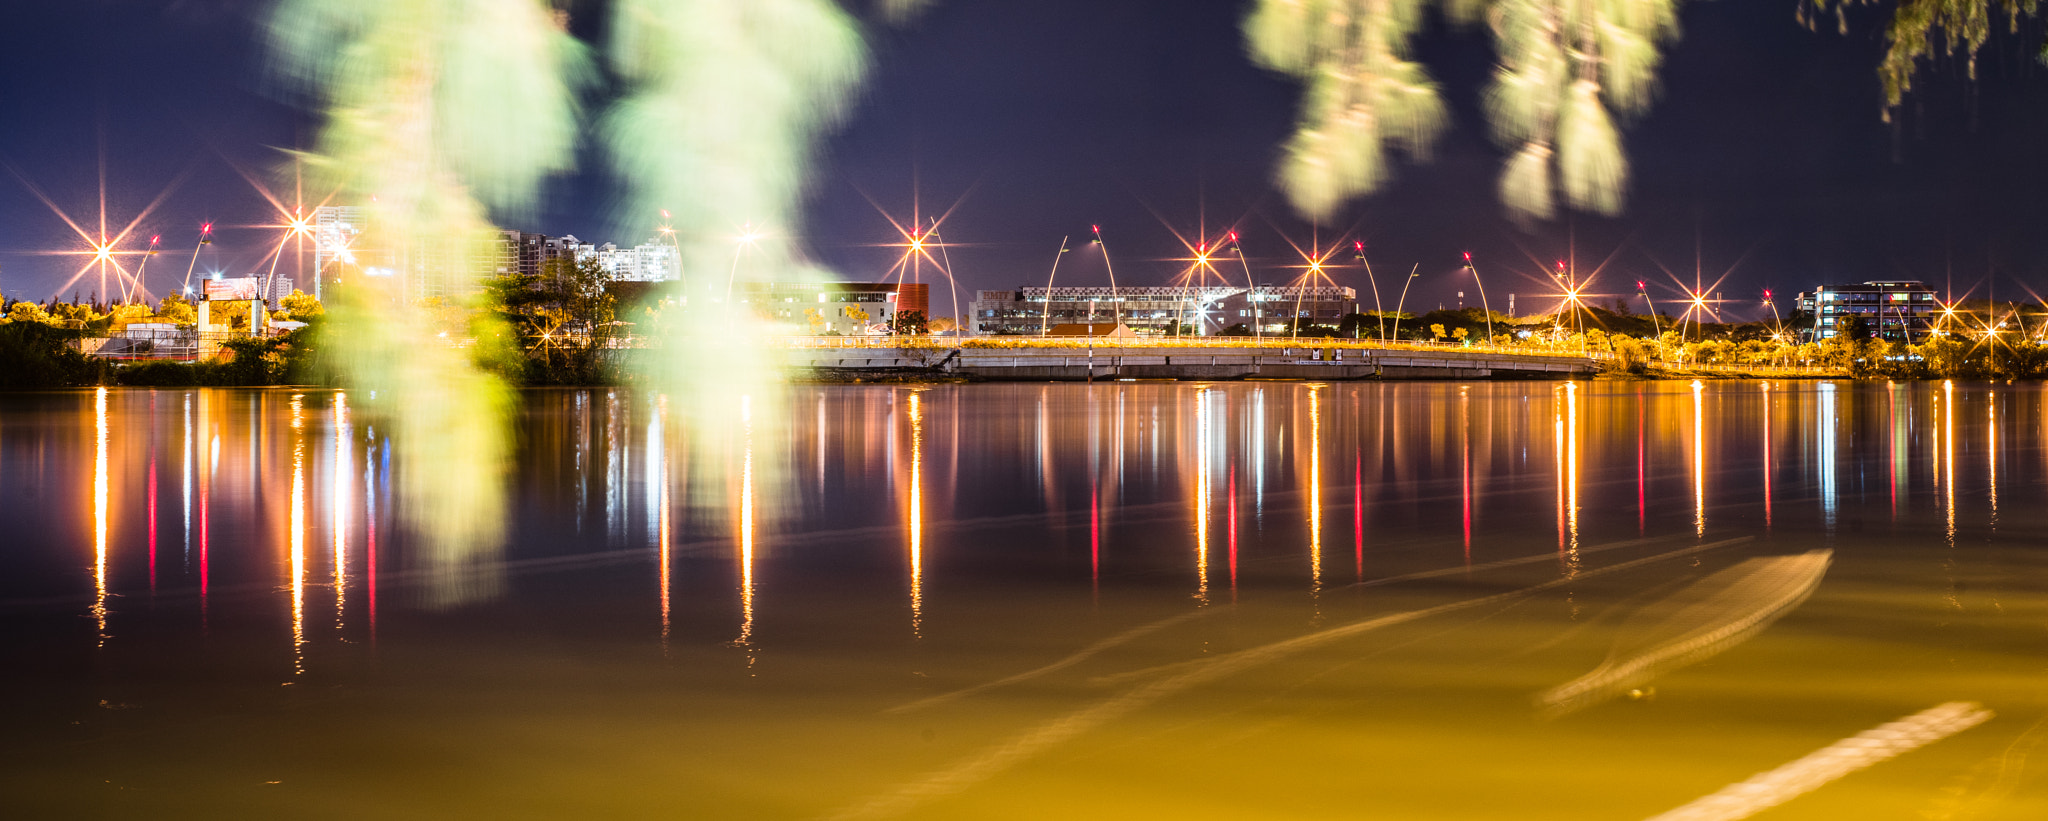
point(28, 312)
point(177, 310)
point(723, 105)
point(1363, 93)
point(1921, 30)
point(1568, 72)
point(559, 327)
point(301, 306)
point(1567, 67)
point(907, 323)
point(36, 355)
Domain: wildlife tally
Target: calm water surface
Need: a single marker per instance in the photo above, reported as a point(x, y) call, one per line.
point(1124, 600)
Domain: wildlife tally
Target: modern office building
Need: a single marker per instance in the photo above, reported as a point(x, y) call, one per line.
point(1898, 310)
point(833, 307)
point(1158, 310)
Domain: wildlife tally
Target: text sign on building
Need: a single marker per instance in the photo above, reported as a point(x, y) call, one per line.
point(237, 288)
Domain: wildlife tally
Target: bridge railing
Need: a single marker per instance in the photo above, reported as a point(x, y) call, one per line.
point(184, 344)
point(1233, 342)
point(1752, 370)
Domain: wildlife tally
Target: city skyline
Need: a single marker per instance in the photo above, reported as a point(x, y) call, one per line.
point(1764, 147)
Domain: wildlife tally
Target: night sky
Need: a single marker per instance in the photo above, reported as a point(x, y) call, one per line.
point(1041, 117)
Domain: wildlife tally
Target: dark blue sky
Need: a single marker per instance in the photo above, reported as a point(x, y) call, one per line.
point(1051, 115)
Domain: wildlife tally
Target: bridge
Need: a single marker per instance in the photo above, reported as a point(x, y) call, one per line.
point(1182, 361)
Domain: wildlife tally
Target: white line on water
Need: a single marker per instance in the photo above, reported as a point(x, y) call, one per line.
point(1878, 744)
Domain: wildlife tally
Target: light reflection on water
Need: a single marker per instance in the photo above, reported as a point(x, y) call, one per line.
point(99, 513)
point(297, 534)
point(1087, 531)
point(337, 506)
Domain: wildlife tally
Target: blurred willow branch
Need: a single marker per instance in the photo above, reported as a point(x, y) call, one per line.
point(435, 110)
point(1363, 93)
point(434, 102)
point(1959, 27)
point(724, 104)
point(1567, 70)
point(1565, 67)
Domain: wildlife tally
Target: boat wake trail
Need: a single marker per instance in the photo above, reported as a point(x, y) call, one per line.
point(996, 759)
point(1712, 615)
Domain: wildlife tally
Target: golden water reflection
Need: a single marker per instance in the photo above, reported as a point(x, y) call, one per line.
point(746, 523)
point(298, 535)
point(1204, 444)
point(1434, 467)
point(1315, 489)
point(1058, 522)
point(657, 440)
point(1565, 422)
point(99, 514)
point(1947, 470)
point(915, 516)
point(338, 505)
point(1699, 460)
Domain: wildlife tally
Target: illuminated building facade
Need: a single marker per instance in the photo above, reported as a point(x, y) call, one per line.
point(1901, 311)
point(434, 268)
point(335, 228)
point(649, 261)
point(833, 307)
point(1159, 310)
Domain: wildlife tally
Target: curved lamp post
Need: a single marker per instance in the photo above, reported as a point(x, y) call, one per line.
point(1482, 296)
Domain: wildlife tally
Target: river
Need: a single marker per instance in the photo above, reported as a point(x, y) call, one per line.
point(1515, 600)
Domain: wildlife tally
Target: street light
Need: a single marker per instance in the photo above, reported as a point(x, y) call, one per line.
point(1399, 306)
point(1045, 314)
point(1643, 290)
point(1379, 311)
point(1482, 296)
point(1251, 289)
point(1116, 305)
point(746, 238)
